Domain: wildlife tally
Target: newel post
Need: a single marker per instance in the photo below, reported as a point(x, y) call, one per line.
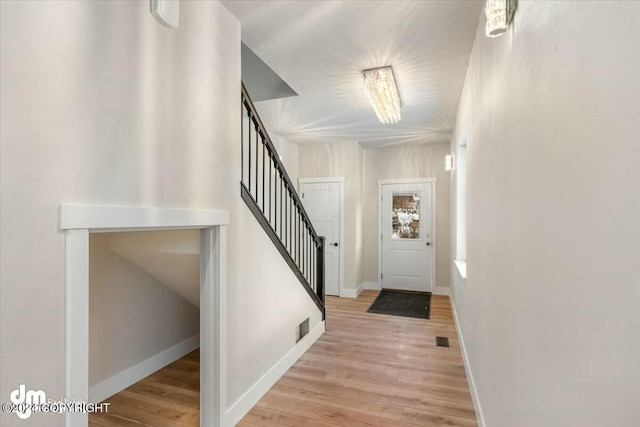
point(320, 269)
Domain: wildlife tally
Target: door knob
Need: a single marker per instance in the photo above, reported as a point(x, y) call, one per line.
point(428, 243)
point(334, 244)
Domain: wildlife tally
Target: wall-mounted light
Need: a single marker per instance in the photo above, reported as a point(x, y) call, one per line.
point(448, 162)
point(499, 16)
point(167, 12)
point(383, 94)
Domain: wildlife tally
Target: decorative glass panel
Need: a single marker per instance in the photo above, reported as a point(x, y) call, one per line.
point(405, 216)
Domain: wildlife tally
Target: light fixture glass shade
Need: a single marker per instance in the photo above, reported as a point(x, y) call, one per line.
point(448, 162)
point(499, 14)
point(383, 94)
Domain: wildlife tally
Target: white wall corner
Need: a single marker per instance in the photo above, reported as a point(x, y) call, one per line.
point(374, 286)
point(467, 367)
point(248, 400)
point(112, 385)
point(352, 293)
point(443, 290)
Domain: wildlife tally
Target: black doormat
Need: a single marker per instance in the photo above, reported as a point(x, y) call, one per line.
point(402, 303)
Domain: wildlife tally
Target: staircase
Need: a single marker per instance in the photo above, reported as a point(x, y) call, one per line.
point(270, 195)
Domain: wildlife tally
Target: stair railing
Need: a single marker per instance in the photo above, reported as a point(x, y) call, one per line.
point(271, 196)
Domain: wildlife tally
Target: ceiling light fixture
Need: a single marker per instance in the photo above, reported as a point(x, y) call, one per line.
point(383, 95)
point(499, 16)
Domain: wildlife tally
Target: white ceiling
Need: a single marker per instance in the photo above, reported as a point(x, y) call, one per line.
point(321, 47)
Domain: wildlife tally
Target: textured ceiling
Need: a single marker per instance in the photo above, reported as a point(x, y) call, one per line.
point(321, 47)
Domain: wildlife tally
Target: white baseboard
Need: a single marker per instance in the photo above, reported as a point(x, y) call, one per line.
point(115, 384)
point(375, 286)
point(443, 290)
point(352, 293)
point(248, 400)
point(467, 367)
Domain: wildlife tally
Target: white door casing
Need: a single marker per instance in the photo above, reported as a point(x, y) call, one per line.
point(323, 200)
point(407, 234)
point(78, 221)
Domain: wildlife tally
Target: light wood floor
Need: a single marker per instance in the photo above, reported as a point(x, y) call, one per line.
point(367, 370)
point(169, 397)
point(373, 370)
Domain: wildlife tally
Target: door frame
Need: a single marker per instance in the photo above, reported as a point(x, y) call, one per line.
point(78, 222)
point(433, 182)
point(340, 180)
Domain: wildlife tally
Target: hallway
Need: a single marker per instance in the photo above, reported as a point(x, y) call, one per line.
point(366, 370)
point(373, 370)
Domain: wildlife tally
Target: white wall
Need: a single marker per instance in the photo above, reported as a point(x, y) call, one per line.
point(132, 316)
point(340, 159)
point(412, 161)
point(290, 157)
point(171, 257)
point(100, 104)
point(549, 312)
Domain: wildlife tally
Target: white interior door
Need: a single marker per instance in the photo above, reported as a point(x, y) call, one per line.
point(407, 237)
point(322, 201)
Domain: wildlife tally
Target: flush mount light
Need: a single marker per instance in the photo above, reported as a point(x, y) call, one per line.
point(383, 95)
point(499, 16)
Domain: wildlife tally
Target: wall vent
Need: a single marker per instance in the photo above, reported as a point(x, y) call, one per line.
point(302, 329)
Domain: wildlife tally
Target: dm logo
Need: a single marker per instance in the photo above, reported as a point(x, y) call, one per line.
point(25, 400)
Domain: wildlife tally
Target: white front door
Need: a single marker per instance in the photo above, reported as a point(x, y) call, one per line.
point(407, 237)
point(322, 201)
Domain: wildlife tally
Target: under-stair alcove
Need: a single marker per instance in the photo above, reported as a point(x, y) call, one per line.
point(145, 287)
point(144, 325)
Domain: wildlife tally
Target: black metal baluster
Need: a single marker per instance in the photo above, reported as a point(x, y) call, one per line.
point(269, 209)
point(242, 139)
point(320, 270)
point(292, 233)
point(289, 219)
point(309, 257)
point(306, 250)
point(263, 169)
point(281, 207)
point(249, 146)
point(257, 167)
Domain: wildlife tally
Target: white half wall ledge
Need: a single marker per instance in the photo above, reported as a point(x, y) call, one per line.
point(108, 218)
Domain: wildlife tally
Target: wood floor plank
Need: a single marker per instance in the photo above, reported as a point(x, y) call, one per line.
point(368, 366)
point(166, 398)
point(367, 370)
point(423, 418)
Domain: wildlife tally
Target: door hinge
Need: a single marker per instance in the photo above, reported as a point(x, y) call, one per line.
point(381, 237)
point(303, 195)
point(380, 276)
